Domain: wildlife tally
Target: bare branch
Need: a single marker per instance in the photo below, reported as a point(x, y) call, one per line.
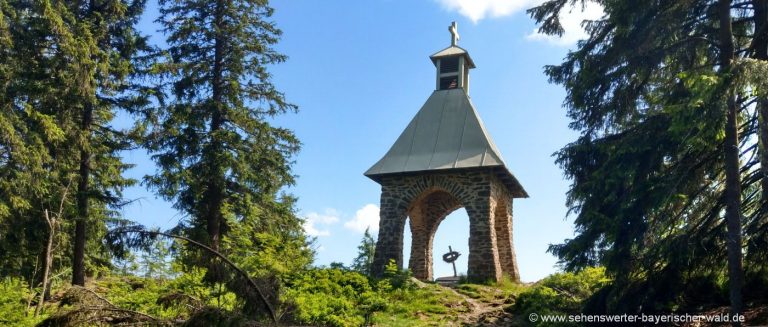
point(247, 277)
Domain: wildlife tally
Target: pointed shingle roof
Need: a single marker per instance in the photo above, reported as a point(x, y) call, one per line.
point(445, 134)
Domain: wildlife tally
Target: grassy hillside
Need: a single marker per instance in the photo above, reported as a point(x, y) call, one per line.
point(318, 297)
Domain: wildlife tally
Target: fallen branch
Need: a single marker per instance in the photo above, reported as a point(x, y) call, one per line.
point(251, 282)
point(91, 308)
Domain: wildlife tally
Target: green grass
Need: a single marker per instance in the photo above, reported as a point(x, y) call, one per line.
point(429, 305)
point(325, 297)
point(502, 291)
point(434, 305)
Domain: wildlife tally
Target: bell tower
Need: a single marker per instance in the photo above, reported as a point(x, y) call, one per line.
point(453, 64)
point(445, 160)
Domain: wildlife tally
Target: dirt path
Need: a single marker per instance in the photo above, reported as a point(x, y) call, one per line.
point(483, 312)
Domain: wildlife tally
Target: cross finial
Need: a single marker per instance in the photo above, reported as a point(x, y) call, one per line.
point(454, 29)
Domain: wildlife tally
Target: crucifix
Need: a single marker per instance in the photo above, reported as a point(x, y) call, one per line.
point(454, 29)
point(451, 257)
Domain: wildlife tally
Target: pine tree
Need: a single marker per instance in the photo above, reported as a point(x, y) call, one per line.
point(70, 66)
point(661, 93)
point(365, 252)
point(219, 159)
point(32, 128)
point(22, 152)
point(105, 45)
point(154, 260)
point(733, 210)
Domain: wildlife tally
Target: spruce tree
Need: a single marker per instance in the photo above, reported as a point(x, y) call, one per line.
point(70, 65)
point(666, 170)
point(219, 159)
point(365, 252)
point(107, 46)
point(32, 176)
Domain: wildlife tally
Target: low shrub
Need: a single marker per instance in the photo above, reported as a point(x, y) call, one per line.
point(333, 297)
point(14, 299)
point(559, 294)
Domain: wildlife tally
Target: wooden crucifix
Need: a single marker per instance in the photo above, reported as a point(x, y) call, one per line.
point(451, 257)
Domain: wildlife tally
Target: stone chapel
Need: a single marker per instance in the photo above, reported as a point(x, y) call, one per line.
point(445, 160)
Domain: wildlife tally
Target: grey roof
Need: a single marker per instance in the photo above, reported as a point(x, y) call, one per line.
point(452, 51)
point(446, 133)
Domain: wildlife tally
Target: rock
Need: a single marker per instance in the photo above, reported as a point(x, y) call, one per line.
point(418, 283)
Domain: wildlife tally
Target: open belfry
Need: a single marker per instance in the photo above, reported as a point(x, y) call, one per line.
point(445, 160)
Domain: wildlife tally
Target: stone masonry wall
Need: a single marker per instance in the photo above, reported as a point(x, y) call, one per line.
point(427, 199)
point(503, 226)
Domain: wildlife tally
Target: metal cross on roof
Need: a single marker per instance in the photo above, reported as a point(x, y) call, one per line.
point(454, 29)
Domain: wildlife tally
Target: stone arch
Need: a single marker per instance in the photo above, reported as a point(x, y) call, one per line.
point(428, 198)
point(424, 185)
point(426, 212)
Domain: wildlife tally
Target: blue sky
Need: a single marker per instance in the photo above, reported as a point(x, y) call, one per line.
point(359, 71)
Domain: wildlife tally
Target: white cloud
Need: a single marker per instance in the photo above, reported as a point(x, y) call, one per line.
point(476, 10)
point(313, 219)
point(571, 19)
point(366, 217)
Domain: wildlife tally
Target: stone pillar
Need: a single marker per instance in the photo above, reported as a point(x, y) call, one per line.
point(420, 262)
point(483, 263)
point(390, 239)
point(503, 224)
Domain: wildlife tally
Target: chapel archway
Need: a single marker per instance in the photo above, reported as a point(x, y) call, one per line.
point(426, 213)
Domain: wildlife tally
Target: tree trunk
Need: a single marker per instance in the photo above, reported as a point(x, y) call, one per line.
point(213, 196)
point(214, 192)
point(732, 178)
point(48, 260)
point(78, 258)
point(760, 44)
